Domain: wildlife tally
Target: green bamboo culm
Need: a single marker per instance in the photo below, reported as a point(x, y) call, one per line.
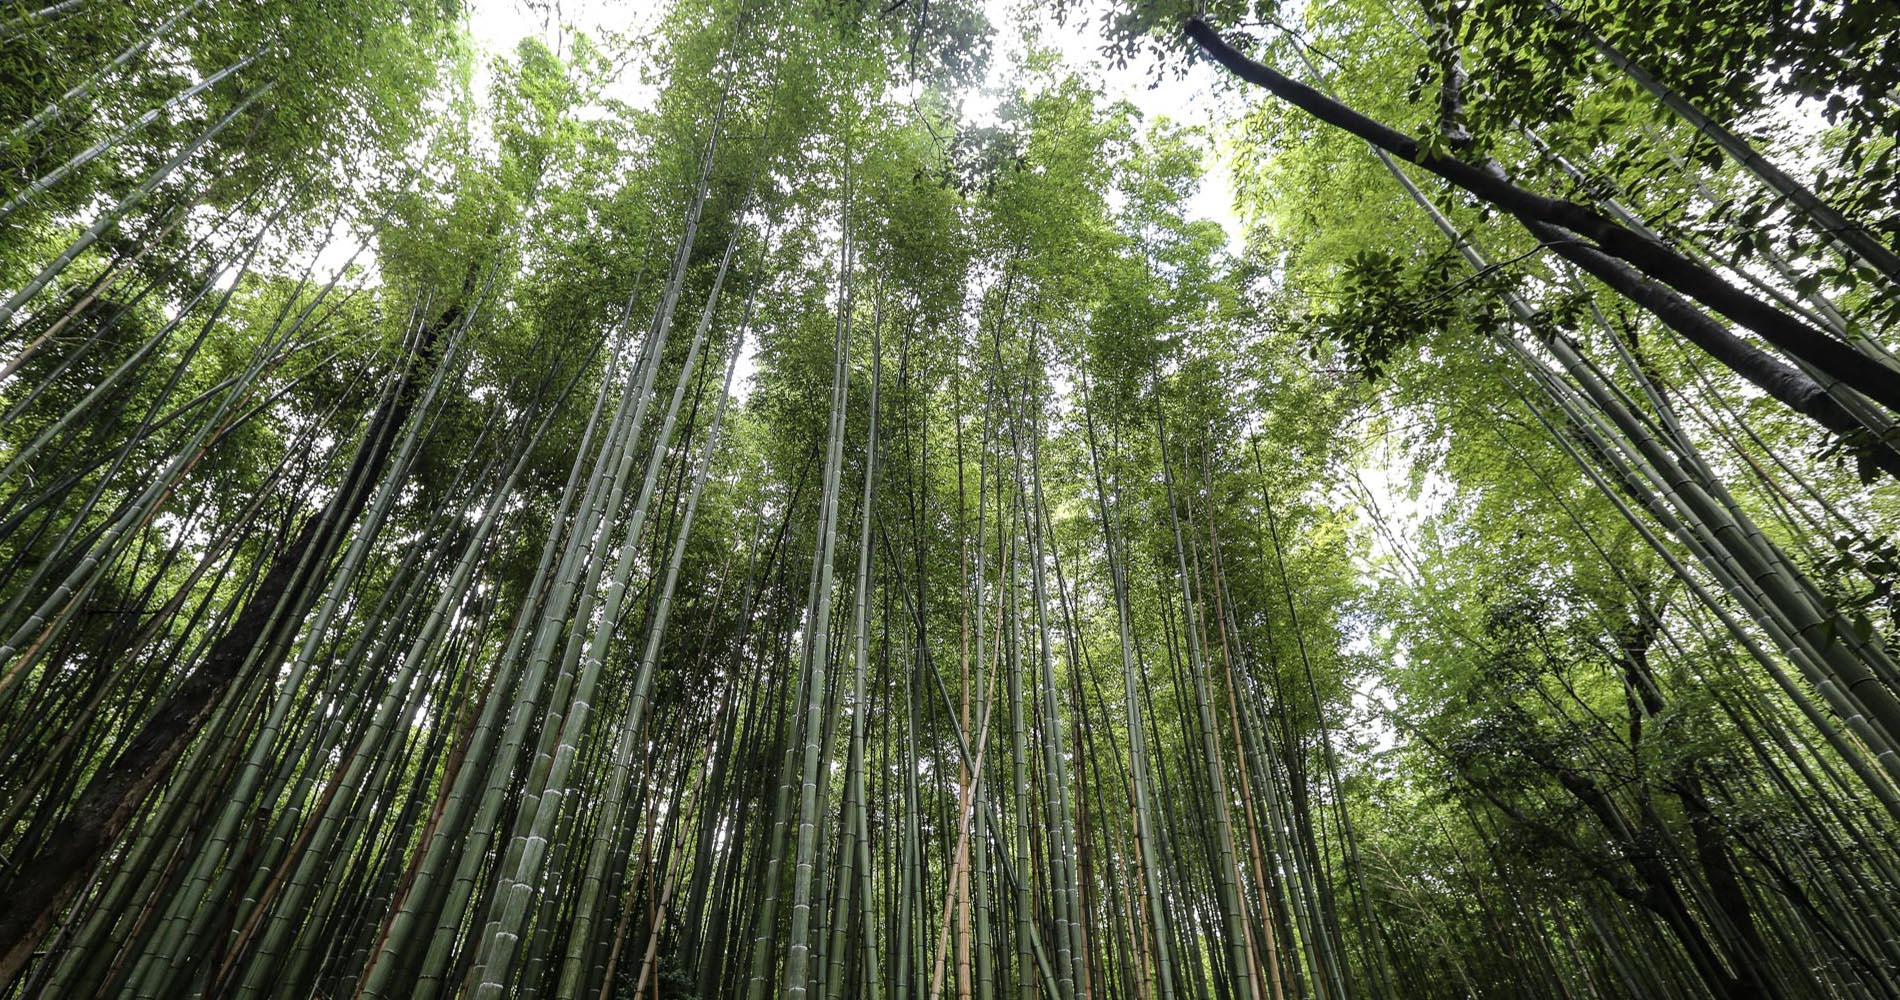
point(789, 498)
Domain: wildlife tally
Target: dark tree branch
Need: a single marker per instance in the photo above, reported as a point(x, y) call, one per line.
point(1547, 217)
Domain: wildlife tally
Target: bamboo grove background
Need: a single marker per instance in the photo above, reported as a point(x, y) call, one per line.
point(466, 534)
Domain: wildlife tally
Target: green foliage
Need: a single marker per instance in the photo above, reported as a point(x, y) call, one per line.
point(1337, 608)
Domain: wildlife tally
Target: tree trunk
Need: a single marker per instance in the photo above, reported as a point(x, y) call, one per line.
point(1650, 257)
point(268, 621)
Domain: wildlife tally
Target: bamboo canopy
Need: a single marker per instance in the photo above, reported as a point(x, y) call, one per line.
point(1165, 500)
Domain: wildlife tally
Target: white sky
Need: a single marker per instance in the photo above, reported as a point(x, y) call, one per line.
point(497, 25)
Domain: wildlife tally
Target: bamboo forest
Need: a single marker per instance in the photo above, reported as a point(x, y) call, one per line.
point(950, 499)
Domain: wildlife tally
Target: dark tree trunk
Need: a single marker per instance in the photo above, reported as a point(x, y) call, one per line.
point(255, 639)
point(1568, 229)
